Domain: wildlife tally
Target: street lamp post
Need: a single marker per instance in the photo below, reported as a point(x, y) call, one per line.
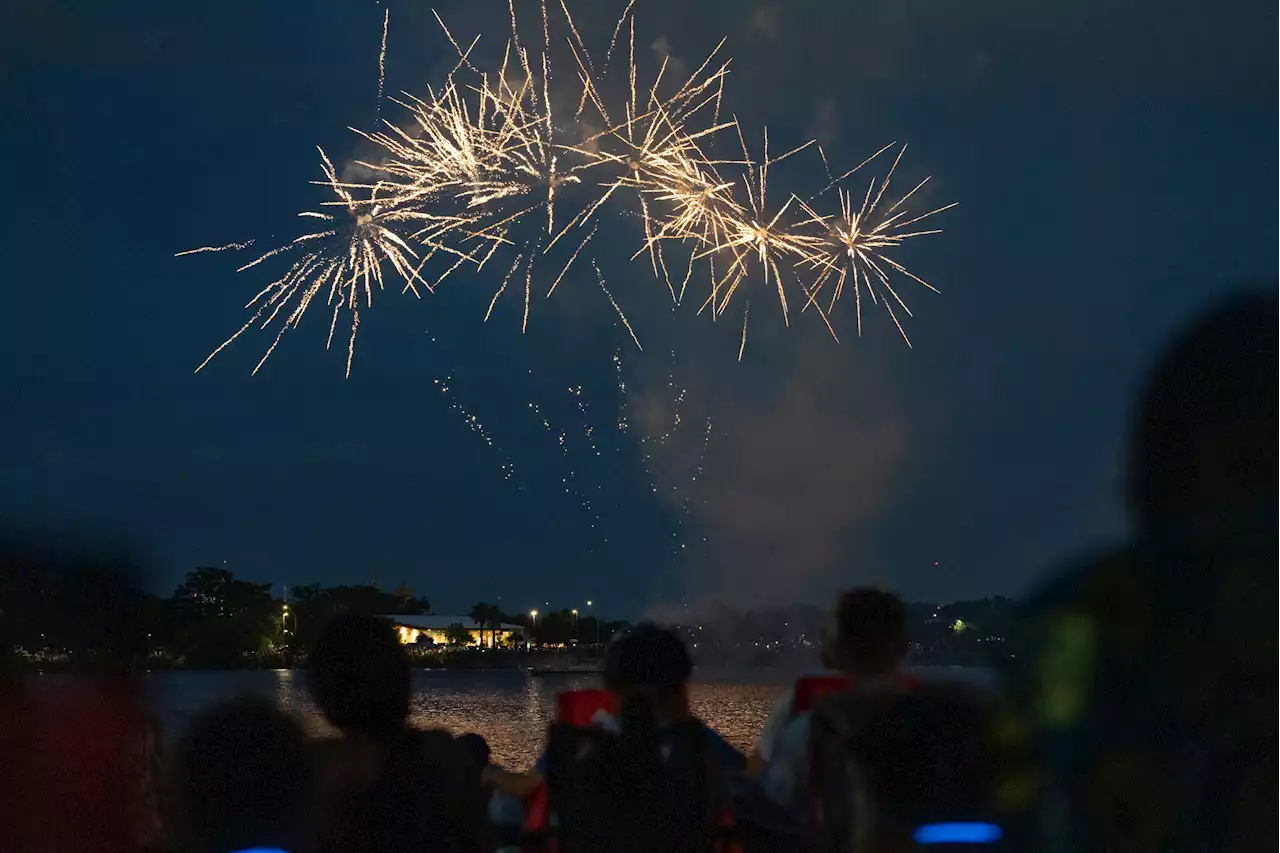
point(575, 623)
point(533, 623)
point(591, 603)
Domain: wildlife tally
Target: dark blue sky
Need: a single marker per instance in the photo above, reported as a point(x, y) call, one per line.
point(1114, 163)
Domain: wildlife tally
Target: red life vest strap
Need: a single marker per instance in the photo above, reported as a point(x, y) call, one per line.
point(811, 688)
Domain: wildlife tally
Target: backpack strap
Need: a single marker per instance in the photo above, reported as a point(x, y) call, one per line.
point(587, 791)
point(837, 784)
point(576, 707)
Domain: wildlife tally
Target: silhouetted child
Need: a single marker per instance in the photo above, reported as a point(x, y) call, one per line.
point(384, 785)
point(865, 639)
point(645, 663)
point(240, 780)
point(506, 812)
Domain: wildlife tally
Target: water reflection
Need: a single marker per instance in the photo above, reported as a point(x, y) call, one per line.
point(511, 709)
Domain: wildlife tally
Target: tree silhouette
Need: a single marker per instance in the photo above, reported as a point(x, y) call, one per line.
point(221, 619)
point(494, 618)
point(488, 617)
point(480, 616)
point(371, 601)
point(457, 634)
point(306, 593)
point(556, 627)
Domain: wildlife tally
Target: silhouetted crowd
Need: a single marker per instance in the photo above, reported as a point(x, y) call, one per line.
point(1143, 718)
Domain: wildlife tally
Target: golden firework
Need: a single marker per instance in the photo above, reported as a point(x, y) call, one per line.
point(345, 265)
point(488, 166)
point(853, 245)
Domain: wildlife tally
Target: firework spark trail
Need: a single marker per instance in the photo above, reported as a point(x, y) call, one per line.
point(346, 263)
point(613, 40)
point(576, 35)
point(588, 429)
point(676, 403)
point(686, 497)
point(589, 433)
point(623, 423)
point(614, 303)
point(447, 390)
point(650, 445)
point(382, 63)
point(621, 420)
point(569, 262)
point(480, 167)
point(462, 55)
point(677, 397)
point(229, 247)
point(474, 424)
point(558, 434)
point(570, 482)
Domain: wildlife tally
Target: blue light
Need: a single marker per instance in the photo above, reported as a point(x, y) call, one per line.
point(958, 833)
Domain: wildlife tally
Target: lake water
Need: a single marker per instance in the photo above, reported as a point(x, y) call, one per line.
point(511, 709)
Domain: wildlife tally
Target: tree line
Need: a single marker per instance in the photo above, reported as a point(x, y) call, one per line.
point(556, 627)
point(215, 619)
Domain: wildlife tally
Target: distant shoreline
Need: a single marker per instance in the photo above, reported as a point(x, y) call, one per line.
point(454, 660)
point(549, 662)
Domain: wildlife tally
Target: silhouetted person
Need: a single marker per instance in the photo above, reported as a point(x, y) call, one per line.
point(506, 813)
point(649, 780)
point(1151, 693)
point(648, 669)
point(241, 780)
point(384, 786)
point(73, 768)
point(865, 639)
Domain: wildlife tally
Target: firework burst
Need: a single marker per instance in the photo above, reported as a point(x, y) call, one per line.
point(854, 243)
point(483, 170)
point(344, 265)
point(752, 236)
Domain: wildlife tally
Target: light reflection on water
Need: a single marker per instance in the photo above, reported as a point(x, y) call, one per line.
point(511, 709)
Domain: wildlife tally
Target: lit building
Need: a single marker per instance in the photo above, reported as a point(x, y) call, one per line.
point(413, 629)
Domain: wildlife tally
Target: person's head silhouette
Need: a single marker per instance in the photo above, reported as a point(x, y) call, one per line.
point(241, 779)
point(1204, 439)
point(652, 665)
point(866, 636)
point(359, 676)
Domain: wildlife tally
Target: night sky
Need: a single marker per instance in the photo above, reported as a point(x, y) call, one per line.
point(1114, 161)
